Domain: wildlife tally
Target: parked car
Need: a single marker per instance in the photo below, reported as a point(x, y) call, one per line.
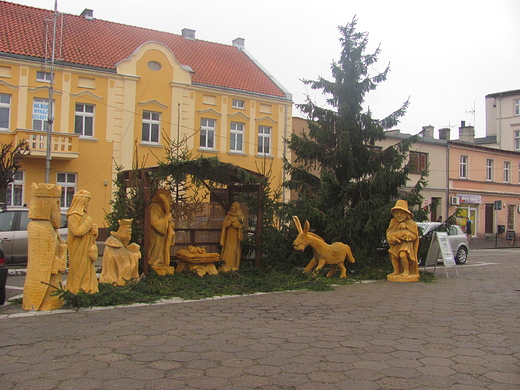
point(3, 276)
point(13, 233)
point(458, 239)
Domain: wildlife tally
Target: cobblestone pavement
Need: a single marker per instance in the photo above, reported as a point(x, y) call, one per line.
point(457, 333)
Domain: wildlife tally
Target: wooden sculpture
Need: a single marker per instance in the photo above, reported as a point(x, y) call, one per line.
point(403, 237)
point(196, 259)
point(161, 233)
point(47, 253)
point(334, 254)
point(120, 258)
point(83, 251)
point(231, 238)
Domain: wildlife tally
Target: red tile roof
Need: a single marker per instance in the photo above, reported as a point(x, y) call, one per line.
point(103, 44)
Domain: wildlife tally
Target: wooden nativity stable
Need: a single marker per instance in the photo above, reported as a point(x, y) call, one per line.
point(232, 178)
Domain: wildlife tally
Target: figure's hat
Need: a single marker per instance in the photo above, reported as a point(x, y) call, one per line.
point(45, 190)
point(82, 194)
point(125, 222)
point(402, 205)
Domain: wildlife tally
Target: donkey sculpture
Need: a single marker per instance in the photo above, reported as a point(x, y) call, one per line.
point(334, 254)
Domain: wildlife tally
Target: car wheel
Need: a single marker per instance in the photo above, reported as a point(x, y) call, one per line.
point(2, 296)
point(462, 255)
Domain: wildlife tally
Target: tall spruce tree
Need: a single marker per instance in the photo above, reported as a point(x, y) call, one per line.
point(346, 185)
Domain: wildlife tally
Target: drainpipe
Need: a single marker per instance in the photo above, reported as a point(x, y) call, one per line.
point(447, 180)
point(284, 150)
point(499, 133)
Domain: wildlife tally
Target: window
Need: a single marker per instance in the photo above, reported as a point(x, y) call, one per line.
point(151, 124)
point(511, 211)
point(84, 119)
point(68, 183)
point(238, 104)
point(517, 106)
point(15, 190)
point(463, 167)
point(40, 114)
point(43, 76)
point(419, 162)
point(375, 149)
point(5, 109)
point(236, 137)
point(207, 133)
point(264, 140)
point(517, 140)
point(507, 171)
point(489, 169)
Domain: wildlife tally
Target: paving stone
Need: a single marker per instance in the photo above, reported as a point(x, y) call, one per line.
point(383, 336)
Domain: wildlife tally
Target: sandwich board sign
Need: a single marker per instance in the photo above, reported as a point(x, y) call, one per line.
point(440, 247)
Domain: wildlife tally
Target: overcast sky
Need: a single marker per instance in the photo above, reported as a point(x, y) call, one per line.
point(444, 55)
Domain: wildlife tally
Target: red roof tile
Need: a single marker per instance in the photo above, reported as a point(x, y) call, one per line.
point(103, 44)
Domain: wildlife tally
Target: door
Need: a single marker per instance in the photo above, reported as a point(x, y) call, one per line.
point(489, 218)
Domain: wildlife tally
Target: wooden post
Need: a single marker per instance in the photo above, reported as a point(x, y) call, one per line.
point(146, 187)
point(259, 226)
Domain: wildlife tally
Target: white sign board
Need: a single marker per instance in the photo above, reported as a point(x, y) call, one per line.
point(40, 111)
point(440, 247)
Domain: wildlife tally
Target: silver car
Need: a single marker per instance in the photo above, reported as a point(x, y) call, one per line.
point(458, 239)
point(13, 233)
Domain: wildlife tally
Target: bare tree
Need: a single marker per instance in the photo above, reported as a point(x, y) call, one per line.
point(10, 161)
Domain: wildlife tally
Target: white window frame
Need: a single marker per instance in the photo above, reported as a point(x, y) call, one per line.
point(490, 167)
point(236, 136)
point(84, 119)
point(517, 140)
point(151, 127)
point(42, 76)
point(507, 171)
point(207, 133)
point(237, 103)
point(264, 140)
point(40, 124)
point(5, 107)
point(517, 107)
point(463, 166)
point(68, 181)
point(15, 189)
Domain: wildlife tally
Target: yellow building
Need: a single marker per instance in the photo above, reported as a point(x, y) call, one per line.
point(121, 91)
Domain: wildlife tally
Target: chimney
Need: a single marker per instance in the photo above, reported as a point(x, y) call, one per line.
point(239, 43)
point(87, 14)
point(444, 134)
point(188, 34)
point(466, 133)
point(427, 131)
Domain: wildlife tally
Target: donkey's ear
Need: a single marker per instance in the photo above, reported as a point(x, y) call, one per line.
point(297, 223)
point(306, 227)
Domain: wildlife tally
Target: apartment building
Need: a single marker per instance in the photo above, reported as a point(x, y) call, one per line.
point(120, 93)
point(502, 120)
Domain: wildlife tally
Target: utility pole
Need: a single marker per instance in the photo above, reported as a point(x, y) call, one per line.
point(50, 117)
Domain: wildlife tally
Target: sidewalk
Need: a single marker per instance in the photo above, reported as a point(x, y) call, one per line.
point(456, 333)
point(492, 243)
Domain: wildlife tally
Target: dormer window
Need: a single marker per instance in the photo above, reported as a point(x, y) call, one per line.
point(240, 104)
point(44, 77)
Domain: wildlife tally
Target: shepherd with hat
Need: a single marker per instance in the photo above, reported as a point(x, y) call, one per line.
point(403, 237)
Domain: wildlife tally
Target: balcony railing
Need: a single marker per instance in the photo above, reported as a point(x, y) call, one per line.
point(64, 146)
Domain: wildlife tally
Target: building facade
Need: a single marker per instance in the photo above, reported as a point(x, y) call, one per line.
point(428, 154)
point(485, 187)
point(121, 94)
point(503, 120)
